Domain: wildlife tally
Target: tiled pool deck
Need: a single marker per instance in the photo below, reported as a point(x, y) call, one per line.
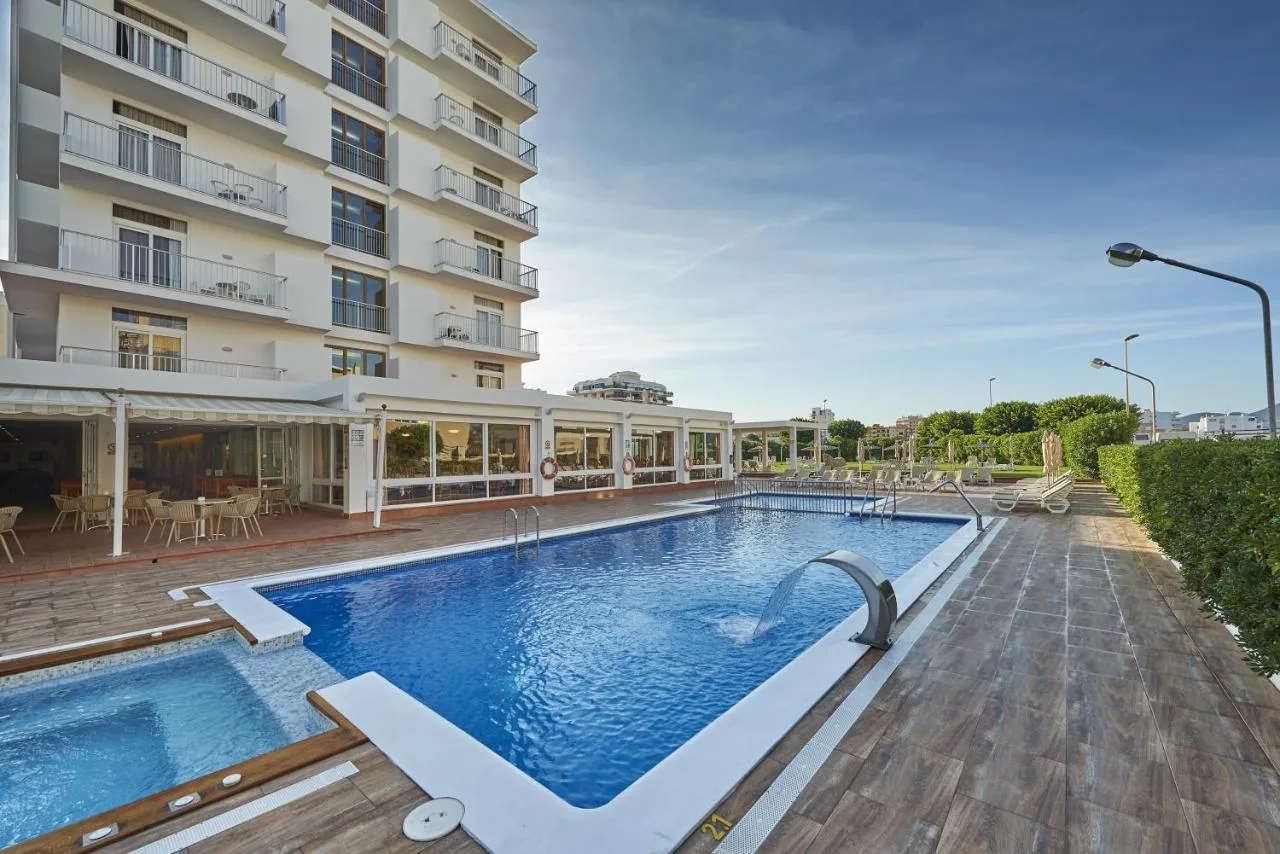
point(1068, 697)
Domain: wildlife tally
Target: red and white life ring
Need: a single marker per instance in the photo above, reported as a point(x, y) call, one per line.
point(628, 464)
point(548, 468)
point(688, 463)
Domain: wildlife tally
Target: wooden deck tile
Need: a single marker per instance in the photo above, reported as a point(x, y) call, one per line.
point(862, 824)
point(1091, 828)
point(1141, 788)
point(910, 779)
point(977, 826)
point(1021, 783)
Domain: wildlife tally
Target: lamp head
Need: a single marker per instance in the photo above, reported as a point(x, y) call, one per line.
point(1099, 363)
point(1128, 254)
point(1128, 338)
point(991, 379)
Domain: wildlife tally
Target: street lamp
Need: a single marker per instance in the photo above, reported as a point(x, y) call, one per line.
point(1127, 339)
point(1128, 254)
point(990, 398)
point(1103, 363)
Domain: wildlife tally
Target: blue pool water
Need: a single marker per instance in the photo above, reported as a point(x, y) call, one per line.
point(73, 747)
point(587, 664)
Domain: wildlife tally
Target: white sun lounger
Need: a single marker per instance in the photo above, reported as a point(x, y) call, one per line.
point(1054, 498)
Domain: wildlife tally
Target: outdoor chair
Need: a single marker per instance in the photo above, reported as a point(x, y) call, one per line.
point(95, 512)
point(160, 515)
point(292, 498)
point(183, 513)
point(135, 505)
point(67, 506)
point(8, 518)
point(1054, 498)
point(245, 511)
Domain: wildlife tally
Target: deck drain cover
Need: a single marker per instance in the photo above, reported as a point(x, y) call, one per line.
point(433, 819)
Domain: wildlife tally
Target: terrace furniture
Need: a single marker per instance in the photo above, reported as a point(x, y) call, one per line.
point(1053, 498)
point(9, 516)
point(135, 504)
point(293, 498)
point(160, 515)
point(95, 512)
point(67, 506)
point(184, 513)
point(245, 511)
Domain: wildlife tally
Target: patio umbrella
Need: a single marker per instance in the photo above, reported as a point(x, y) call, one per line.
point(1058, 460)
point(951, 451)
point(1010, 449)
point(1051, 449)
point(861, 453)
point(911, 450)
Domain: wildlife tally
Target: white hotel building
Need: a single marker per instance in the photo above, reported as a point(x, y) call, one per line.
point(258, 224)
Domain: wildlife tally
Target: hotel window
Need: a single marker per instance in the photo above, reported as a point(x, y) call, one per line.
point(488, 322)
point(145, 46)
point(358, 147)
point(586, 450)
point(705, 455)
point(486, 59)
point(488, 124)
point(488, 255)
point(489, 374)
point(359, 223)
point(464, 460)
point(359, 300)
point(488, 189)
point(358, 69)
point(350, 360)
point(149, 247)
point(148, 342)
point(139, 148)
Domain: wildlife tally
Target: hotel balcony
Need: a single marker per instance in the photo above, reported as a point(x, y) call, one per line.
point(167, 363)
point(355, 159)
point(359, 315)
point(357, 83)
point(148, 271)
point(465, 333)
point(256, 25)
point(494, 148)
point(372, 15)
point(484, 272)
point(359, 237)
point(134, 167)
point(471, 70)
point(484, 205)
point(110, 51)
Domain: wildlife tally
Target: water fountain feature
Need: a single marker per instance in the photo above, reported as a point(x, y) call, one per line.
point(882, 602)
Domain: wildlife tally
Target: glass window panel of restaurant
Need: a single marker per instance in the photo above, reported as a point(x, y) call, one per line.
point(706, 455)
point(653, 449)
point(587, 449)
point(328, 463)
point(408, 449)
point(459, 448)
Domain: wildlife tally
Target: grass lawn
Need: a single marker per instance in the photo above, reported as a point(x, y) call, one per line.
point(1017, 471)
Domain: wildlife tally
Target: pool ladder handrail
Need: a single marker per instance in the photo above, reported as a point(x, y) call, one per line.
point(537, 527)
point(515, 527)
point(952, 482)
point(884, 508)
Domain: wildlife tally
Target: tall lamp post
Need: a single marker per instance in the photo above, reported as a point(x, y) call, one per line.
point(1128, 254)
point(1103, 363)
point(990, 394)
point(1127, 339)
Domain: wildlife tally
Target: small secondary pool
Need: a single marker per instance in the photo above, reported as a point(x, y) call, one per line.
point(586, 664)
point(73, 747)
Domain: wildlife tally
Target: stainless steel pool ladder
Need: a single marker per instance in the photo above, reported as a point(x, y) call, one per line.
point(537, 527)
point(952, 483)
point(515, 527)
point(888, 496)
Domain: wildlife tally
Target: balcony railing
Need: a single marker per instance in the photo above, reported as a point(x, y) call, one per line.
point(359, 237)
point(167, 363)
point(357, 82)
point(456, 327)
point(158, 268)
point(269, 12)
point(356, 159)
point(120, 37)
point(449, 110)
point(359, 315)
point(449, 40)
point(485, 262)
point(372, 15)
point(486, 195)
point(163, 160)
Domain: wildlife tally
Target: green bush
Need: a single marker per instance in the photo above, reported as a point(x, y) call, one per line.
point(1026, 447)
point(1056, 414)
point(1118, 466)
point(1215, 508)
point(1082, 438)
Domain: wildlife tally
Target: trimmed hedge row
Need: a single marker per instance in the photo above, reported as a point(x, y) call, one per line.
point(1214, 506)
point(1082, 438)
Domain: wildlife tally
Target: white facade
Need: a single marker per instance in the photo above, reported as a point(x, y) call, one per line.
point(300, 202)
point(1237, 424)
point(624, 385)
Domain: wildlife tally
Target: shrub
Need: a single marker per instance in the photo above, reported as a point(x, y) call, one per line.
point(1005, 417)
point(1026, 447)
point(1056, 414)
point(1118, 466)
point(1082, 438)
point(1215, 508)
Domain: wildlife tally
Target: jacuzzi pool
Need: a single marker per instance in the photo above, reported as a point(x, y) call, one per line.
point(586, 664)
point(75, 746)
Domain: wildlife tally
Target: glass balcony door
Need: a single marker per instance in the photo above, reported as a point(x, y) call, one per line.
point(150, 258)
point(147, 154)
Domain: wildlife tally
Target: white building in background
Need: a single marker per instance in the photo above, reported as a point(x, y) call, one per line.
point(264, 224)
point(1239, 424)
point(624, 385)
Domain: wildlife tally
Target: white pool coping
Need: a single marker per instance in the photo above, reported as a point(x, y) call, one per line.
point(507, 811)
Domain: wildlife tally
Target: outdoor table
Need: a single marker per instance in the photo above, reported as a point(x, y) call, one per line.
point(203, 505)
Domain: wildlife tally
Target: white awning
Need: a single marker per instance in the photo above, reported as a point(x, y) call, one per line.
point(26, 400)
point(163, 407)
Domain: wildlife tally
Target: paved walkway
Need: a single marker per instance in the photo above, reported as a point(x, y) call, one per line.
point(1068, 698)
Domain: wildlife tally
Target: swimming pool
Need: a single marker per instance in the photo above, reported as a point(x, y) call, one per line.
point(586, 664)
point(75, 746)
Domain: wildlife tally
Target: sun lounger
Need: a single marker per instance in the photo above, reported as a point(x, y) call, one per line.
point(1052, 498)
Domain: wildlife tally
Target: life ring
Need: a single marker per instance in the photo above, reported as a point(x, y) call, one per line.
point(548, 468)
point(688, 463)
point(628, 464)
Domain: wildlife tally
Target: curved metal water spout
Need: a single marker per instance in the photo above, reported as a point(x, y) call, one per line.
point(882, 602)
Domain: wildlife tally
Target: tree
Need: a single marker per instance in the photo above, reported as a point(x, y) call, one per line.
point(846, 432)
point(1005, 417)
point(1082, 438)
point(937, 425)
point(1053, 414)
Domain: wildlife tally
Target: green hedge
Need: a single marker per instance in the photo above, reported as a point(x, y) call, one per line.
point(1214, 506)
point(1082, 438)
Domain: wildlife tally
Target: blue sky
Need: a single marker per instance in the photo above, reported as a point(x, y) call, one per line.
point(884, 203)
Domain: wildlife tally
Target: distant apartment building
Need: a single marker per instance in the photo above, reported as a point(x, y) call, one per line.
point(908, 425)
point(1240, 424)
point(625, 386)
point(882, 431)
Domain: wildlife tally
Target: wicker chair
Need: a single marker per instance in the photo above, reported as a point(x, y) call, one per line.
point(245, 511)
point(160, 515)
point(67, 506)
point(183, 513)
point(135, 505)
point(95, 512)
point(8, 517)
